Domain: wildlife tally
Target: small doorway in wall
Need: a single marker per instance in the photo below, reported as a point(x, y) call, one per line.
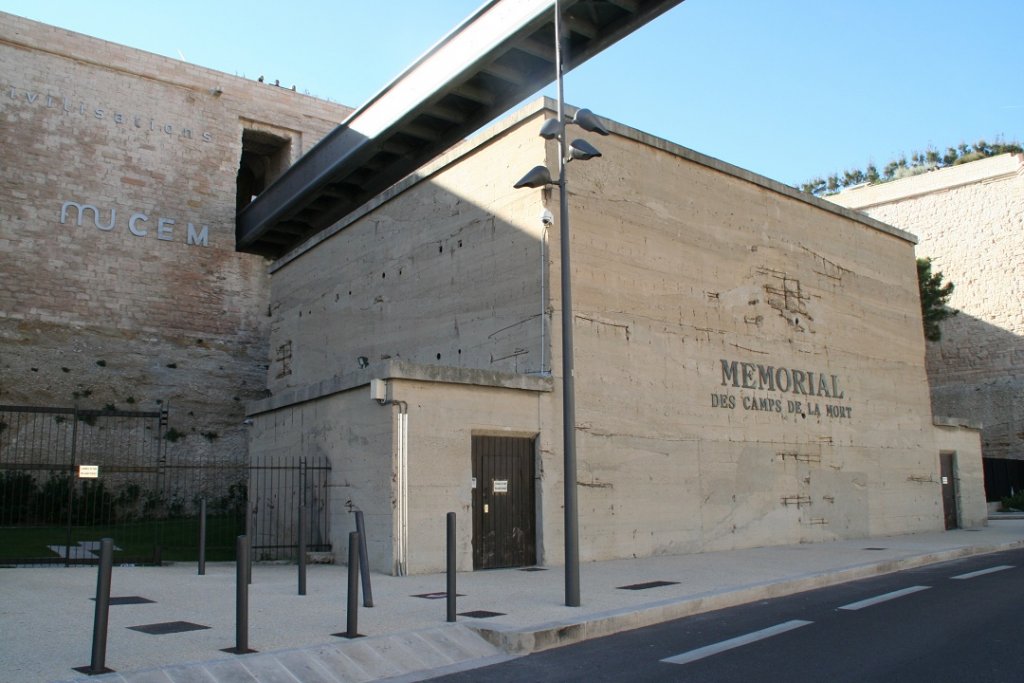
point(503, 502)
point(946, 470)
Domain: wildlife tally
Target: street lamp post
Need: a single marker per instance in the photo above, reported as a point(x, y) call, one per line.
point(539, 177)
point(572, 536)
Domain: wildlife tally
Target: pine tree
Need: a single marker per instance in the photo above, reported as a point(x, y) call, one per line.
point(934, 297)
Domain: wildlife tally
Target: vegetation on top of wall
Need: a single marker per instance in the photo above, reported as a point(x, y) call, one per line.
point(934, 298)
point(919, 162)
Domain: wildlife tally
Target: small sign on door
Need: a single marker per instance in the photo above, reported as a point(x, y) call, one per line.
point(88, 471)
point(501, 485)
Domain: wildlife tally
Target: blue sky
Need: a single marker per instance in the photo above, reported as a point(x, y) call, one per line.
point(788, 89)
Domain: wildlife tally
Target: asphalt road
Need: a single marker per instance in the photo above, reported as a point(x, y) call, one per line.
point(955, 621)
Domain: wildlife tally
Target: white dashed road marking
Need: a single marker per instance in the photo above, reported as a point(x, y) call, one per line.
point(884, 597)
point(982, 572)
point(714, 649)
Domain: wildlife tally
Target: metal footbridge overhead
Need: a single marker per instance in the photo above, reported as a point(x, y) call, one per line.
point(497, 57)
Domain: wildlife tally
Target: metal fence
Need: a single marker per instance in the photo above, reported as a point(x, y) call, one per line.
point(70, 476)
point(1003, 478)
point(278, 489)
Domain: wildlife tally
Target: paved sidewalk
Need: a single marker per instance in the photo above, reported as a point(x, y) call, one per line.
point(46, 614)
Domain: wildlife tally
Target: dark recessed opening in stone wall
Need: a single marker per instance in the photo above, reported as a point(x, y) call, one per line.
point(265, 156)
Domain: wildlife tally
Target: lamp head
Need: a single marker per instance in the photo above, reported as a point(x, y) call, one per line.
point(538, 176)
point(550, 129)
point(583, 150)
point(586, 120)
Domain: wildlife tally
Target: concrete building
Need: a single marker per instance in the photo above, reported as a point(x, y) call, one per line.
point(749, 362)
point(970, 221)
point(119, 281)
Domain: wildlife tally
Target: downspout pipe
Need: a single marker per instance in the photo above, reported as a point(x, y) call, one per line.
point(401, 560)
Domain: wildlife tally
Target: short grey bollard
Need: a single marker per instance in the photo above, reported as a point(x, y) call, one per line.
point(451, 594)
point(352, 626)
point(241, 598)
point(302, 549)
point(202, 537)
point(364, 563)
point(102, 614)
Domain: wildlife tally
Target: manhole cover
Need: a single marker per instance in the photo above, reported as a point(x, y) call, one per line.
point(481, 614)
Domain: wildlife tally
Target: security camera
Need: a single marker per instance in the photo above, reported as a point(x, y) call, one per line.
point(547, 218)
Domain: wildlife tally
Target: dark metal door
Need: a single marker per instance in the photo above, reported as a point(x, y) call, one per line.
point(503, 502)
point(948, 490)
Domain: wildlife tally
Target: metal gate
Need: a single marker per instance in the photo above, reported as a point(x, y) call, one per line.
point(70, 476)
point(285, 492)
point(503, 502)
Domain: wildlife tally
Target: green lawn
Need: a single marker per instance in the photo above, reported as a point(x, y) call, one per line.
point(178, 539)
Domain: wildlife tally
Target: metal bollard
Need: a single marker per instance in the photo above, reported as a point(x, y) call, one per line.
point(302, 550)
point(451, 594)
point(100, 620)
point(352, 626)
point(250, 526)
point(241, 598)
point(202, 537)
point(364, 563)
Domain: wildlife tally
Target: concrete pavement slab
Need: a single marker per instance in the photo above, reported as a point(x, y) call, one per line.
point(46, 615)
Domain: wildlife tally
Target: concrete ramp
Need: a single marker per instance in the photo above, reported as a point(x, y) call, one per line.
point(407, 656)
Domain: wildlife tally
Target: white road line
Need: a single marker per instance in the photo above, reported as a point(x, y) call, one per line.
point(882, 598)
point(982, 572)
point(714, 649)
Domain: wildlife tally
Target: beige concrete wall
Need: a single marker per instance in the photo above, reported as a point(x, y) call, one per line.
point(91, 311)
point(443, 418)
point(964, 442)
point(682, 266)
point(364, 442)
point(679, 266)
point(359, 438)
point(970, 220)
point(444, 272)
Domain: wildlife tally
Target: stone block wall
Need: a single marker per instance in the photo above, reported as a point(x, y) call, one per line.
point(970, 220)
point(120, 283)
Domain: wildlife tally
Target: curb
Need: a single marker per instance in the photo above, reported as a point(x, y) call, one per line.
point(518, 641)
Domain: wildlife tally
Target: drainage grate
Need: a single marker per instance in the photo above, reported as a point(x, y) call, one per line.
point(649, 584)
point(437, 596)
point(128, 600)
point(481, 614)
point(875, 548)
point(534, 569)
point(168, 627)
